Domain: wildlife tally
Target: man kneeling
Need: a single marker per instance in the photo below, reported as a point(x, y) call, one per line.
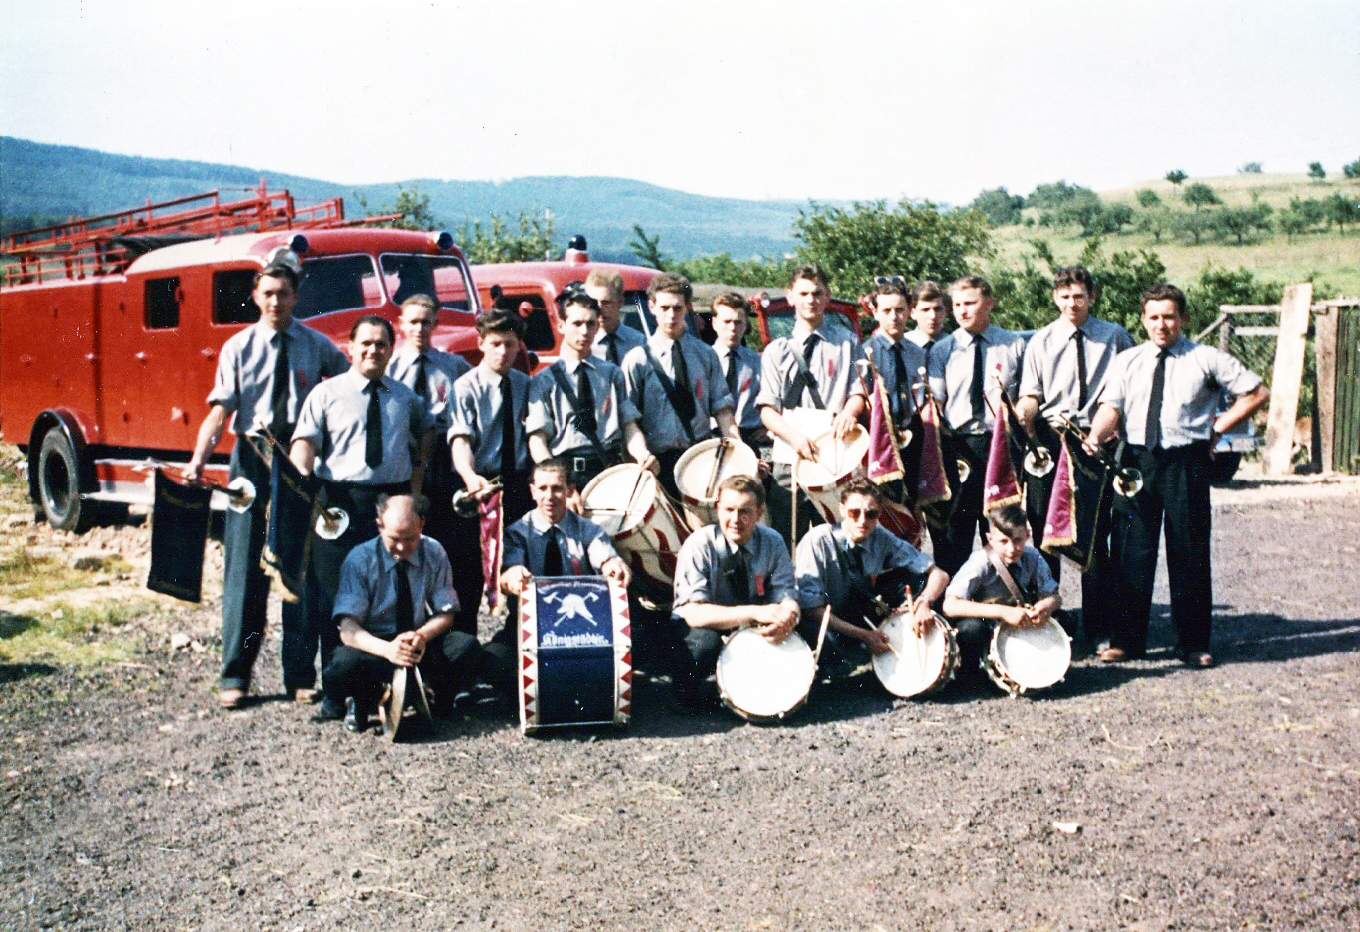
point(395, 602)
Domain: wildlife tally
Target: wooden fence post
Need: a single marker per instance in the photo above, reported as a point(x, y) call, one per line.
point(1290, 349)
point(1324, 359)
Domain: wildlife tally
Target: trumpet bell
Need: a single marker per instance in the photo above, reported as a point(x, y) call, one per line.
point(465, 503)
point(240, 494)
point(1038, 462)
point(964, 469)
point(332, 523)
point(1128, 481)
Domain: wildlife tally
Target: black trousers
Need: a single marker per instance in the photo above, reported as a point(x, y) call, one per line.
point(464, 547)
point(1175, 492)
point(360, 501)
point(450, 665)
point(245, 589)
point(1096, 603)
point(954, 543)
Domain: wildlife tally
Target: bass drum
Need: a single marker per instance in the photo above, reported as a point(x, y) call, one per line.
point(699, 470)
point(764, 682)
point(918, 664)
point(1026, 660)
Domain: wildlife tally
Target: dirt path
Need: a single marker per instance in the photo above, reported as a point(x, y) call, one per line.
point(1147, 797)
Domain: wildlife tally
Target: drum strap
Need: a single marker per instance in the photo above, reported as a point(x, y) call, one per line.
point(1005, 574)
point(672, 393)
point(804, 380)
point(560, 377)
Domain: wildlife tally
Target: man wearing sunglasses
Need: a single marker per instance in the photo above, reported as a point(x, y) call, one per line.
point(864, 573)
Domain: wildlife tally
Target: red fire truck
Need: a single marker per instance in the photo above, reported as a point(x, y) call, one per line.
point(110, 326)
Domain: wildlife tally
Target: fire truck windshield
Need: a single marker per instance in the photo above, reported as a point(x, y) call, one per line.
point(340, 283)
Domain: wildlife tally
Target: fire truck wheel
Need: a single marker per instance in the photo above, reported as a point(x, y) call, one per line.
point(59, 484)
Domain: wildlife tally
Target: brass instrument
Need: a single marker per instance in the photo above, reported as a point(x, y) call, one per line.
point(240, 492)
point(1128, 480)
point(465, 503)
point(332, 523)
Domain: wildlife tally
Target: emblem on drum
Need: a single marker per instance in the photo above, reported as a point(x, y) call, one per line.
point(581, 618)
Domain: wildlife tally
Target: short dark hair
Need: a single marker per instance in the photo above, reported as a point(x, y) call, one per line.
point(277, 270)
point(927, 289)
point(1075, 275)
point(890, 285)
point(731, 299)
point(862, 486)
point(419, 503)
point(1009, 520)
point(743, 485)
point(557, 465)
point(376, 321)
point(500, 321)
point(813, 273)
point(1162, 291)
point(973, 281)
point(574, 294)
point(671, 283)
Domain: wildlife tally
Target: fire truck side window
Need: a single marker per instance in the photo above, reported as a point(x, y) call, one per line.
point(161, 303)
point(231, 297)
point(337, 283)
point(538, 330)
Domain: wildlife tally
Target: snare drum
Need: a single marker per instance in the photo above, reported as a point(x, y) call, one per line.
point(1023, 660)
point(575, 653)
point(918, 664)
point(645, 523)
point(764, 682)
point(698, 472)
point(837, 462)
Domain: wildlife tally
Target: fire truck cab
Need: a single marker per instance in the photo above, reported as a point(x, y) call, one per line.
point(110, 328)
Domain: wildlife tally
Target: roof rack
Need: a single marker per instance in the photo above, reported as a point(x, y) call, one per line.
point(107, 244)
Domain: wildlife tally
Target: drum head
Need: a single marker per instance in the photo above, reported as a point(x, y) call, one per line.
point(836, 459)
point(393, 704)
point(619, 498)
point(763, 681)
point(694, 472)
point(1032, 658)
point(919, 664)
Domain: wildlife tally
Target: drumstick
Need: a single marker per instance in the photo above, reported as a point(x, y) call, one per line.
point(821, 637)
point(718, 457)
point(874, 627)
point(793, 495)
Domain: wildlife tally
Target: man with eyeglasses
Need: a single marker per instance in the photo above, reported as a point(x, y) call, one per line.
point(861, 570)
point(615, 339)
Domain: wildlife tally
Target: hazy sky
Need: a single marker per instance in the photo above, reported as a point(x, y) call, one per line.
point(834, 99)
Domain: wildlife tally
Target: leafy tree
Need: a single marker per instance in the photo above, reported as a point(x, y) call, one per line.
point(1341, 210)
point(1217, 286)
point(523, 238)
point(1200, 195)
point(411, 203)
point(1147, 197)
point(1316, 172)
point(1251, 168)
point(1001, 207)
point(1294, 221)
point(1235, 221)
point(740, 273)
point(1175, 176)
point(1352, 170)
point(1193, 225)
point(648, 249)
point(868, 239)
point(1157, 221)
point(1059, 194)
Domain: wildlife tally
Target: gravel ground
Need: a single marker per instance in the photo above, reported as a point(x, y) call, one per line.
point(1144, 797)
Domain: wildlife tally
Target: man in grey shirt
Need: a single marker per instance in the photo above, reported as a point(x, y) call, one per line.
point(394, 608)
point(263, 375)
point(364, 435)
point(675, 381)
point(615, 339)
point(1066, 364)
point(1165, 393)
point(730, 574)
point(740, 367)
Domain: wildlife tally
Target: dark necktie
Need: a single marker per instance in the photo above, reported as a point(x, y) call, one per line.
point(731, 375)
point(406, 612)
point(739, 577)
point(930, 345)
point(422, 387)
point(585, 396)
point(808, 348)
point(684, 390)
point(373, 440)
point(1153, 431)
point(1081, 368)
point(975, 394)
point(552, 555)
point(278, 397)
point(900, 381)
point(611, 350)
point(507, 427)
point(857, 558)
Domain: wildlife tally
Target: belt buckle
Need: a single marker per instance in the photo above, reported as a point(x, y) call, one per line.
point(578, 464)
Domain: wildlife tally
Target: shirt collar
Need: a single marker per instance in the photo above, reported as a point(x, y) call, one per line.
point(389, 562)
point(540, 524)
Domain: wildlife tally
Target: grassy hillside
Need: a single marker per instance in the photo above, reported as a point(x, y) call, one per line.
point(1330, 259)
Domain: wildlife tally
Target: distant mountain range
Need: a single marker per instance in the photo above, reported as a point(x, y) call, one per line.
point(55, 182)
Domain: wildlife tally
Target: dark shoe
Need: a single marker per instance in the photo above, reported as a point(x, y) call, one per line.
point(1112, 655)
point(1199, 659)
point(330, 711)
point(356, 719)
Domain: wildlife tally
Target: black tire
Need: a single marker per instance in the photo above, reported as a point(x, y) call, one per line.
point(1223, 467)
point(59, 484)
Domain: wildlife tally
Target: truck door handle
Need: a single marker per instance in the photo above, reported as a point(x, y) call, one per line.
point(139, 356)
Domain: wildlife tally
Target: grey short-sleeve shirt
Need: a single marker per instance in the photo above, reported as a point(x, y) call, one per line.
point(823, 563)
point(707, 386)
point(476, 415)
point(244, 384)
point(442, 370)
point(334, 419)
point(978, 581)
point(584, 545)
point(700, 569)
point(550, 411)
point(368, 586)
point(834, 368)
point(951, 375)
point(1051, 371)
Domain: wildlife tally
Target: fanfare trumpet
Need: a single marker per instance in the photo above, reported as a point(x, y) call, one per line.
point(332, 523)
point(240, 492)
point(465, 502)
point(1038, 461)
point(1128, 480)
